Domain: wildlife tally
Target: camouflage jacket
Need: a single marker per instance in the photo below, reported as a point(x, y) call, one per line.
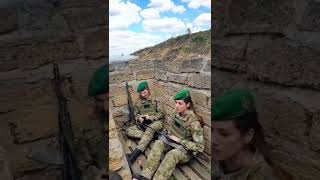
point(193, 138)
point(259, 170)
point(147, 107)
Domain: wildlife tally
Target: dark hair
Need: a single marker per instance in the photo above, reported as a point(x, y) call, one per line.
point(191, 107)
point(258, 143)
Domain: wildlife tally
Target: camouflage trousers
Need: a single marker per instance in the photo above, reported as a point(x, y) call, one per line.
point(145, 136)
point(171, 159)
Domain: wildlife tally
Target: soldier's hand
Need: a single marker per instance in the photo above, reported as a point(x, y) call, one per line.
point(147, 116)
point(174, 138)
point(141, 119)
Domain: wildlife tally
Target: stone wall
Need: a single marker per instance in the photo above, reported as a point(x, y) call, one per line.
point(165, 78)
point(272, 48)
point(33, 35)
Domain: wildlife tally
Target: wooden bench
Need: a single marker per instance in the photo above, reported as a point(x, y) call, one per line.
point(197, 168)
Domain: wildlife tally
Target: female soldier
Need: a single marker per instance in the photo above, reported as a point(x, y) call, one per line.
point(238, 142)
point(186, 129)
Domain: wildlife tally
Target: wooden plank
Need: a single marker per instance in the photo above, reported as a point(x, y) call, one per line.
point(204, 163)
point(200, 170)
point(189, 172)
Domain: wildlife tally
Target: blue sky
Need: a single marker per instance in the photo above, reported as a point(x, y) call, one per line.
point(136, 24)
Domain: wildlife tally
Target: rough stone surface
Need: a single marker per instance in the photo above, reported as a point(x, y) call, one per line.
point(250, 16)
point(310, 20)
point(145, 74)
point(8, 20)
point(119, 100)
point(178, 78)
point(199, 81)
point(193, 65)
point(95, 44)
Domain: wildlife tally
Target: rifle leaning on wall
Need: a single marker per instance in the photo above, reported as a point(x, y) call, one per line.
point(131, 117)
point(65, 136)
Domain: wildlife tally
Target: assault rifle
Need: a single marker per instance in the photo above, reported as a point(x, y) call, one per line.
point(65, 136)
point(166, 139)
point(130, 106)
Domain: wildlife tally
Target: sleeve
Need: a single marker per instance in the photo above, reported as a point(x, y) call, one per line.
point(197, 143)
point(136, 112)
point(158, 114)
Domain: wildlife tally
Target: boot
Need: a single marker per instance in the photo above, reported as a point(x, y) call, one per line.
point(133, 156)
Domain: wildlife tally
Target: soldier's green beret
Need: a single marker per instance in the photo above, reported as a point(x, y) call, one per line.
point(233, 104)
point(99, 82)
point(181, 95)
point(142, 86)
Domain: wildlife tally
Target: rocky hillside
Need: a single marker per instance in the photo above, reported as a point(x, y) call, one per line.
point(194, 45)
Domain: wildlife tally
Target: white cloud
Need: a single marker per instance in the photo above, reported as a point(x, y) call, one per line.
point(150, 13)
point(123, 14)
point(166, 24)
point(203, 19)
point(127, 42)
point(195, 4)
point(166, 5)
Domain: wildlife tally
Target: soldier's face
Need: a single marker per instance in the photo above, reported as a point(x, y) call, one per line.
point(101, 102)
point(181, 106)
point(144, 94)
point(227, 141)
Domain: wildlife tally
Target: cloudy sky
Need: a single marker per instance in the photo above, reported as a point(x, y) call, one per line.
point(136, 24)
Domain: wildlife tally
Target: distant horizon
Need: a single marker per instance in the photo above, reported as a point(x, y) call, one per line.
point(137, 24)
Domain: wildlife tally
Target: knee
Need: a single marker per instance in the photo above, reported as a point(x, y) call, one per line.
point(172, 154)
point(157, 144)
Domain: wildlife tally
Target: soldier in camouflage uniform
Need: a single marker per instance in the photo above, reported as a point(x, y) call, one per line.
point(91, 145)
point(145, 109)
point(239, 148)
point(185, 129)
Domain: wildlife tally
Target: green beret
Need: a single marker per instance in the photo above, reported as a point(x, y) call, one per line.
point(99, 82)
point(233, 104)
point(142, 86)
point(181, 95)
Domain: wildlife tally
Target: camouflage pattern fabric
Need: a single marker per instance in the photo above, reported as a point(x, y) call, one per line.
point(194, 141)
point(155, 115)
point(259, 170)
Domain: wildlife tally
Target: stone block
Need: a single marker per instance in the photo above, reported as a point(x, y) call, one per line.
point(230, 53)
point(277, 117)
point(159, 65)
point(119, 100)
point(95, 44)
point(200, 98)
point(310, 20)
point(199, 80)
point(250, 16)
point(207, 67)
point(178, 78)
point(33, 123)
point(161, 75)
point(137, 65)
point(31, 54)
point(314, 133)
point(145, 74)
point(120, 77)
point(173, 66)
point(284, 62)
point(85, 17)
point(205, 115)
point(8, 20)
point(117, 90)
point(192, 65)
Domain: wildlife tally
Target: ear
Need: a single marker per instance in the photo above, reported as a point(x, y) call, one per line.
point(249, 136)
point(188, 104)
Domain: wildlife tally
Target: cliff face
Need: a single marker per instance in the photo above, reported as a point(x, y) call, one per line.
point(272, 48)
point(33, 35)
point(186, 46)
